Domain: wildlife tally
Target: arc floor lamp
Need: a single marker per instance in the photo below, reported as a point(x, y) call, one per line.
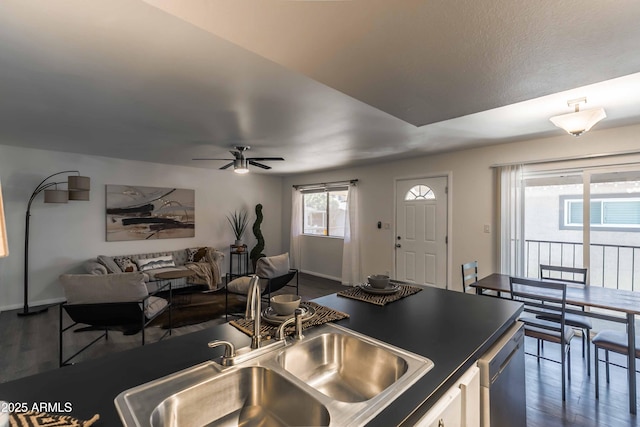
point(78, 188)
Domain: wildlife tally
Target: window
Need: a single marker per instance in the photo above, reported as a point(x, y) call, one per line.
point(420, 192)
point(614, 213)
point(324, 212)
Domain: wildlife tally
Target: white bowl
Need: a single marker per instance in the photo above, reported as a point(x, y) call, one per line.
point(378, 281)
point(285, 304)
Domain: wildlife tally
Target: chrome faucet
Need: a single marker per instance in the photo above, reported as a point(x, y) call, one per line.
point(252, 311)
point(297, 319)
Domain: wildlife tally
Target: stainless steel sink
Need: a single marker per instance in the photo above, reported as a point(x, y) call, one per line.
point(245, 397)
point(333, 377)
point(344, 367)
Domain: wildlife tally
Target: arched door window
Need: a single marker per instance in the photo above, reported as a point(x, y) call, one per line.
point(420, 192)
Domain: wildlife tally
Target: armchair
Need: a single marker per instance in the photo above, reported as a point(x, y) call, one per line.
point(118, 301)
point(274, 273)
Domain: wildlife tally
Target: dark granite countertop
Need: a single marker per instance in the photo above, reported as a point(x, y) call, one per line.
point(450, 328)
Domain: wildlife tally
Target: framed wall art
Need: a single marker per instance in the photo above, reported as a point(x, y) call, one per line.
point(141, 213)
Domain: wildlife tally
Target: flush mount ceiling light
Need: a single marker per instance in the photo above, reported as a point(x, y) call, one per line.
point(578, 122)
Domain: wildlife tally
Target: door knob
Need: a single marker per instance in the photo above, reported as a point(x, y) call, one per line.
point(398, 245)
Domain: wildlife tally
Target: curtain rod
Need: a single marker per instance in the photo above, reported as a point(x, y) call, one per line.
point(325, 184)
point(564, 159)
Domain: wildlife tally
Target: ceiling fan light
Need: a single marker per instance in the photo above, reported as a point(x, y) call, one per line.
point(579, 122)
point(240, 166)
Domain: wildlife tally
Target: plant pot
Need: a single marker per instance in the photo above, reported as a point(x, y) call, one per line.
point(238, 243)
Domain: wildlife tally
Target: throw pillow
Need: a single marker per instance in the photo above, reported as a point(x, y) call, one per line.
point(273, 266)
point(196, 254)
point(126, 264)
point(145, 264)
point(109, 263)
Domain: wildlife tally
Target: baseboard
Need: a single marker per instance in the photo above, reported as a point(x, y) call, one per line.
point(324, 276)
point(33, 304)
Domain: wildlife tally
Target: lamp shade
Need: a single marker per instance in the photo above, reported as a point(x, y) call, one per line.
point(56, 196)
point(79, 195)
point(579, 122)
point(75, 182)
point(4, 242)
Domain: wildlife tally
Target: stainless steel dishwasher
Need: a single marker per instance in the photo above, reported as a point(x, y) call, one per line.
point(502, 381)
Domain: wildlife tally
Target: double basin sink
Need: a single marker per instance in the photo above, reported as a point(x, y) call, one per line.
point(333, 377)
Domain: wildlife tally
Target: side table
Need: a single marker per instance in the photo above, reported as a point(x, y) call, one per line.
point(242, 268)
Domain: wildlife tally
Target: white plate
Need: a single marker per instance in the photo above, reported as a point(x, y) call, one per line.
point(270, 316)
point(391, 289)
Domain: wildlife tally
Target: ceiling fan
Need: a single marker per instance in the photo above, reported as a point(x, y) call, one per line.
point(241, 163)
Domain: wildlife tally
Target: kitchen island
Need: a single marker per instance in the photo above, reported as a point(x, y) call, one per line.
point(450, 328)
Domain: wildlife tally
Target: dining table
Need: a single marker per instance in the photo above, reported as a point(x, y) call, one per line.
point(627, 303)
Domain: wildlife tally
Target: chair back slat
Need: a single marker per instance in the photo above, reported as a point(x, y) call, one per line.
point(541, 298)
point(575, 275)
point(469, 274)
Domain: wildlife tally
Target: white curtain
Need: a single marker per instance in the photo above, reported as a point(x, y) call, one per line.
point(296, 229)
point(511, 220)
point(351, 266)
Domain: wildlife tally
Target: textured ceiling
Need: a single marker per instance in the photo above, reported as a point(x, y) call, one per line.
point(429, 61)
point(323, 84)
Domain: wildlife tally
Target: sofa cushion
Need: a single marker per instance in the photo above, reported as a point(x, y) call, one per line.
point(126, 264)
point(93, 289)
point(109, 263)
point(145, 264)
point(240, 285)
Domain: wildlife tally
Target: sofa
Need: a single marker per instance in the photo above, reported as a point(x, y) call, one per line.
point(205, 262)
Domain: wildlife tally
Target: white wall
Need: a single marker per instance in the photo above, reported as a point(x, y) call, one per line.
point(322, 256)
point(64, 236)
point(472, 189)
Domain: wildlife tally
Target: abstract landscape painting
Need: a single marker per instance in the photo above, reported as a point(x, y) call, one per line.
point(139, 213)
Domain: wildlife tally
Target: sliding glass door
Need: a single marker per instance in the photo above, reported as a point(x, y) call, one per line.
point(614, 228)
point(555, 207)
point(547, 239)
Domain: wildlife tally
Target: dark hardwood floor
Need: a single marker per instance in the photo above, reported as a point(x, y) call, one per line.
point(29, 345)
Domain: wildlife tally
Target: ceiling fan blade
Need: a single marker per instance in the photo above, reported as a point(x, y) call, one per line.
point(264, 158)
point(260, 165)
point(208, 158)
point(227, 165)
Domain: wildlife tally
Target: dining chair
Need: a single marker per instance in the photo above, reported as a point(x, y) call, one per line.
point(576, 276)
point(540, 298)
point(470, 276)
point(614, 341)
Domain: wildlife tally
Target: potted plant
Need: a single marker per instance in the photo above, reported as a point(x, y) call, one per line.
point(238, 221)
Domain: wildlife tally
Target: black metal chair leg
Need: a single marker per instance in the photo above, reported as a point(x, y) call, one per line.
point(595, 353)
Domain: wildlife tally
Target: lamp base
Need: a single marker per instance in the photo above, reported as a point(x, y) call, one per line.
point(29, 311)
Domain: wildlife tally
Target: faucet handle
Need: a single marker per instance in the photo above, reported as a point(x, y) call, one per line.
point(298, 319)
point(229, 350)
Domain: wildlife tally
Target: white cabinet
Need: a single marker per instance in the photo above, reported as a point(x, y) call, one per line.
point(470, 388)
point(459, 407)
point(447, 412)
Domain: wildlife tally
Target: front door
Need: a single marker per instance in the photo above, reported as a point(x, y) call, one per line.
point(421, 230)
